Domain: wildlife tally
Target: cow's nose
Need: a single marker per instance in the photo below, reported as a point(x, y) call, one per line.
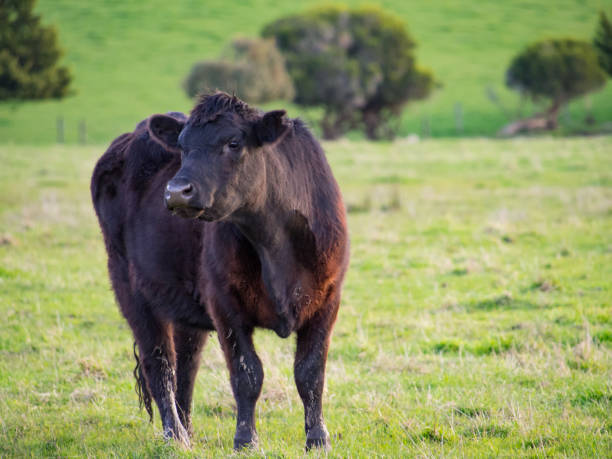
point(179, 193)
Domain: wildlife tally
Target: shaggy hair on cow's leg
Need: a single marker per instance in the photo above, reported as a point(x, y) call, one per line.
point(144, 395)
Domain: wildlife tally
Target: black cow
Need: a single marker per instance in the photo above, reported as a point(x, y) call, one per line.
point(263, 243)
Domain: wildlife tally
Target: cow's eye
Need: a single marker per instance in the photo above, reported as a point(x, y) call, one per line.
point(234, 144)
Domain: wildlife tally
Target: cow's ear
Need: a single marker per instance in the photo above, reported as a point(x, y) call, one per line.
point(165, 130)
point(271, 127)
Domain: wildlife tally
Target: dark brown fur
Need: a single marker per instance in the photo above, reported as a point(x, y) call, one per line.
point(272, 252)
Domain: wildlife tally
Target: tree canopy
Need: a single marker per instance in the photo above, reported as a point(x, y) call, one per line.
point(358, 64)
point(29, 53)
point(253, 69)
point(603, 43)
point(556, 69)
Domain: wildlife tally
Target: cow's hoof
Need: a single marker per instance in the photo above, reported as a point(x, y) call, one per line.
point(318, 438)
point(179, 434)
point(245, 443)
point(246, 439)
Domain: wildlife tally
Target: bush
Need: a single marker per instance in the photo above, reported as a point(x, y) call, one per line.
point(358, 64)
point(558, 70)
point(603, 43)
point(207, 76)
point(253, 69)
point(28, 55)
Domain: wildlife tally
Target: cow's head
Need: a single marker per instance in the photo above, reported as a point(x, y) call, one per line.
point(222, 166)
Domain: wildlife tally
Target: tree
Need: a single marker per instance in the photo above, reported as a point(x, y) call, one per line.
point(358, 64)
point(28, 55)
point(253, 69)
point(557, 70)
point(603, 43)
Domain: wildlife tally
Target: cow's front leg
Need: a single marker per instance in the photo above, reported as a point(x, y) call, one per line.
point(309, 371)
point(246, 377)
point(157, 358)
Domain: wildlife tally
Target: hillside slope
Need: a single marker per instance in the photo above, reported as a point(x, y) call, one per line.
point(129, 59)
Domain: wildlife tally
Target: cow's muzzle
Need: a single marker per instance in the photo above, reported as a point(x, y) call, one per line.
point(179, 194)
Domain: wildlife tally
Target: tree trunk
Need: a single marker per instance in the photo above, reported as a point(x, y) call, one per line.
point(334, 124)
point(371, 122)
point(552, 114)
point(379, 124)
point(329, 129)
point(546, 121)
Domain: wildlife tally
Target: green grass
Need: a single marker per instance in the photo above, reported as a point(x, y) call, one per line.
point(476, 320)
point(129, 59)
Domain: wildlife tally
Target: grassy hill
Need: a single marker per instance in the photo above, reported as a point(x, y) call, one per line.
point(129, 59)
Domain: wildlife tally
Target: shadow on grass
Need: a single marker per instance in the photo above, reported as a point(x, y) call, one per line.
point(216, 411)
point(473, 412)
point(436, 434)
point(489, 430)
point(502, 302)
point(539, 443)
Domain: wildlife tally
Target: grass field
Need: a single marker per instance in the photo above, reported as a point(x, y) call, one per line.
point(476, 321)
point(130, 57)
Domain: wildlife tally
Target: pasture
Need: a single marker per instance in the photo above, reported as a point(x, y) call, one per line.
point(476, 317)
point(130, 58)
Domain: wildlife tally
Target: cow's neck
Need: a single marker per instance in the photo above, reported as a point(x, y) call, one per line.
point(286, 248)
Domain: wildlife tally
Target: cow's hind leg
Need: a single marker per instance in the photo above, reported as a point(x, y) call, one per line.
point(157, 357)
point(309, 372)
point(188, 343)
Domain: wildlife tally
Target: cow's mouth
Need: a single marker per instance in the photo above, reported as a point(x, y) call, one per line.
point(187, 212)
point(208, 214)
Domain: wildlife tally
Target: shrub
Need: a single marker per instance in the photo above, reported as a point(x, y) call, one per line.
point(558, 70)
point(207, 76)
point(603, 43)
point(358, 64)
point(253, 69)
point(28, 55)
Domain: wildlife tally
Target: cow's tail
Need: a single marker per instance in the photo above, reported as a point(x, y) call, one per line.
point(142, 390)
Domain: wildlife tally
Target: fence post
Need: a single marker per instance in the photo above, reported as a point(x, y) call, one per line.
point(458, 117)
point(425, 128)
point(83, 132)
point(60, 129)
